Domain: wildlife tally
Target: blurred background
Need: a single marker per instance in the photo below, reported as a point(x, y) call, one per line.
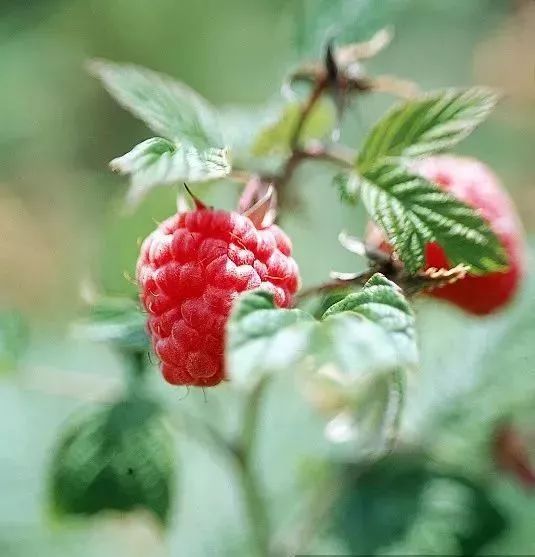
point(63, 223)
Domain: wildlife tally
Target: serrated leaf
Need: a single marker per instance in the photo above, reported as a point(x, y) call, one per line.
point(118, 458)
point(167, 106)
point(13, 339)
point(276, 137)
point(348, 186)
point(427, 125)
point(413, 212)
point(263, 339)
point(157, 161)
point(382, 302)
point(118, 321)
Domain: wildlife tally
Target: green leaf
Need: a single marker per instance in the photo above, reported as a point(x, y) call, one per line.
point(344, 349)
point(261, 338)
point(158, 161)
point(349, 20)
point(413, 212)
point(118, 458)
point(169, 107)
point(13, 339)
point(382, 302)
point(426, 125)
point(348, 349)
point(348, 186)
point(348, 365)
point(115, 320)
point(400, 506)
point(276, 137)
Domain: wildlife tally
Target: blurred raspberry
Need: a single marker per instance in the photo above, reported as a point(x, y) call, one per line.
point(473, 183)
point(190, 270)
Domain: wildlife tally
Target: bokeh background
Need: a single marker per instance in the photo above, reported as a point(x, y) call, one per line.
point(63, 224)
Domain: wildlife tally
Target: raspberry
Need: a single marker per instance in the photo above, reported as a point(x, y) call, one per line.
point(473, 183)
point(191, 269)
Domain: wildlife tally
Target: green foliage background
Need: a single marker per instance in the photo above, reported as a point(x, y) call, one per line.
point(62, 222)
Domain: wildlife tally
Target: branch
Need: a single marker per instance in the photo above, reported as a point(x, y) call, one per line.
point(317, 91)
point(297, 154)
point(335, 285)
point(392, 269)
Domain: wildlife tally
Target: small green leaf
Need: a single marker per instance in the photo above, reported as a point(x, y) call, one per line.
point(348, 186)
point(261, 338)
point(413, 212)
point(276, 138)
point(157, 161)
point(118, 321)
point(382, 302)
point(13, 339)
point(426, 125)
point(118, 458)
point(167, 106)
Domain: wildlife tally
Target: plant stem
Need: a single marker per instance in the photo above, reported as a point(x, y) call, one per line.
point(318, 90)
point(255, 507)
point(398, 395)
point(253, 497)
point(240, 454)
point(335, 285)
point(298, 155)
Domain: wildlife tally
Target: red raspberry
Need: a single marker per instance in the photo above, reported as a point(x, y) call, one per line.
point(472, 182)
point(190, 270)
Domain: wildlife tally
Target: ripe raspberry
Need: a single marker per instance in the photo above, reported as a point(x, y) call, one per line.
point(190, 270)
point(472, 182)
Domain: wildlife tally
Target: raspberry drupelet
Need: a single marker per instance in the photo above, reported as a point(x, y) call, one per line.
point(191, 269)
